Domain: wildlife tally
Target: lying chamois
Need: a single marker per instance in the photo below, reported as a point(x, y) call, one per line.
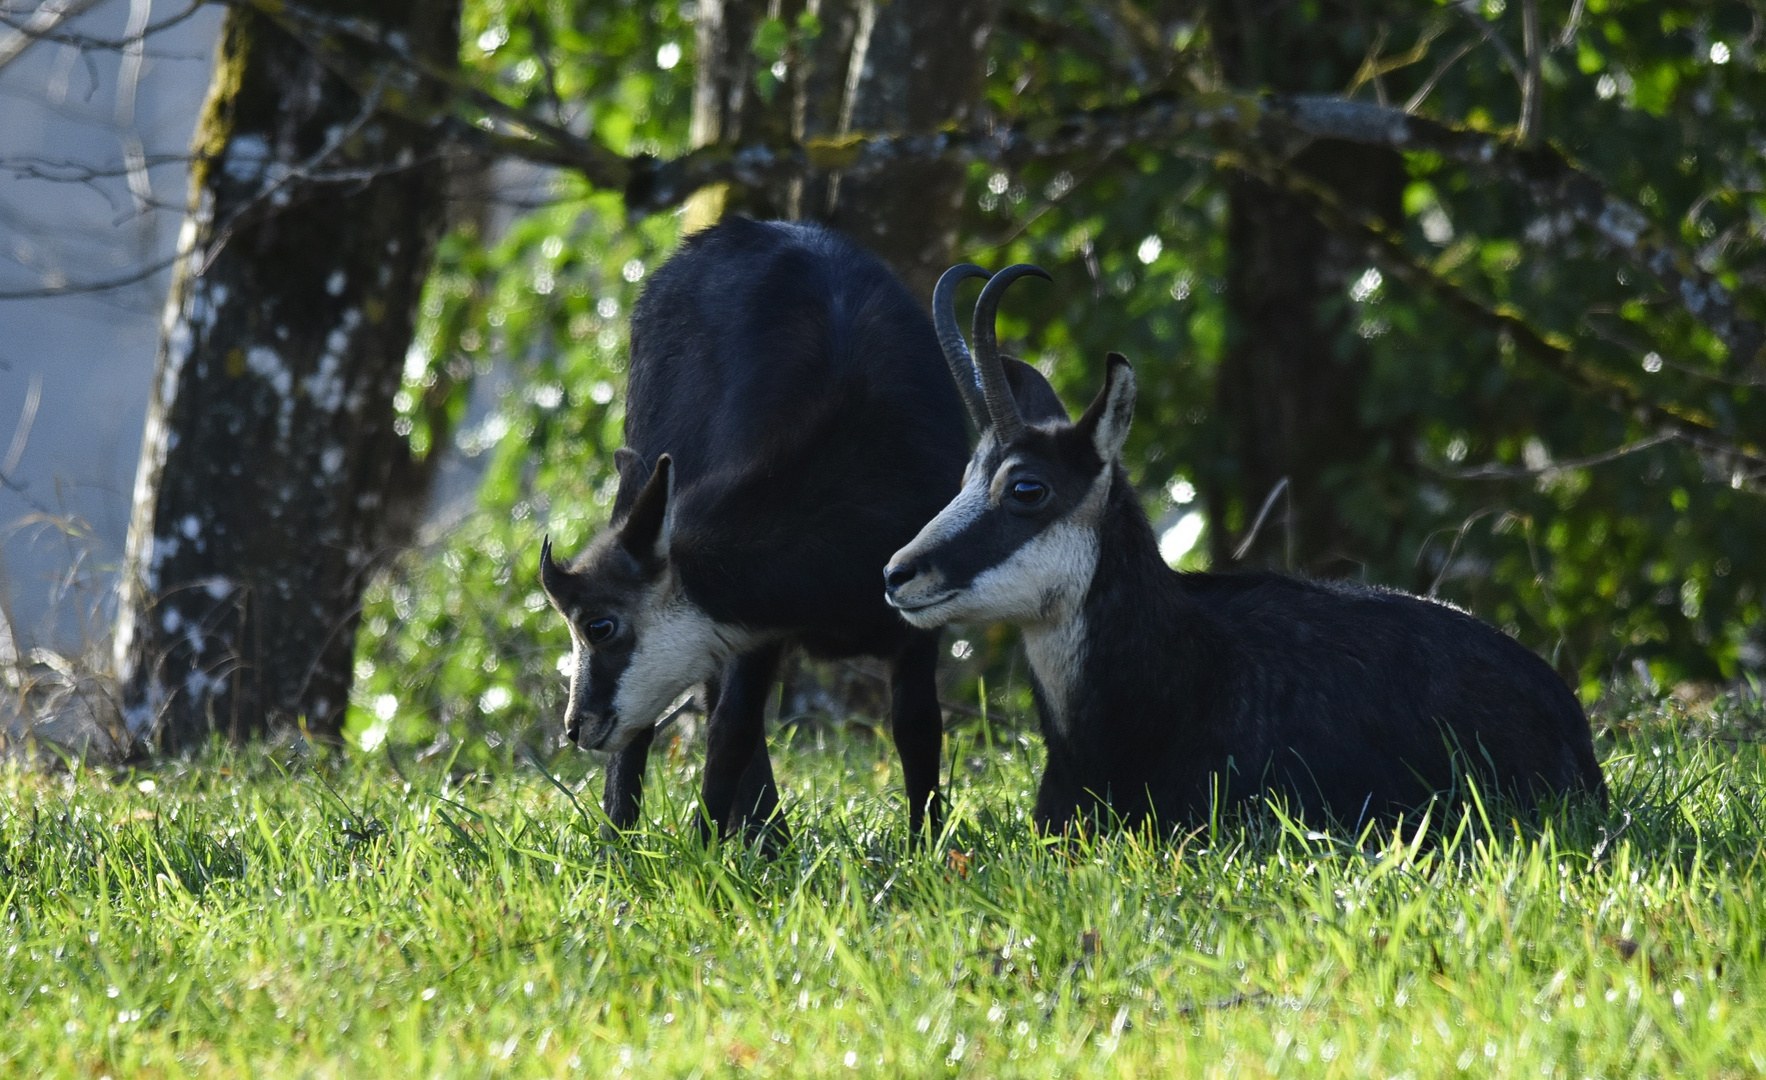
point(1161, 692)
point(790, 423)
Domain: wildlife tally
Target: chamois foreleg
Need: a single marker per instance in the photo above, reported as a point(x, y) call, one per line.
point(624, 791)
point(737, 791)
point(918, 725)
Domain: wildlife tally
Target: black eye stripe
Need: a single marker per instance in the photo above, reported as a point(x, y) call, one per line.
point(978, 547)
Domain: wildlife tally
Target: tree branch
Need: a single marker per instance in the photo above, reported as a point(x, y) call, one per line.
point(360, 52)
point(1532, 88)
point(1671, 420)
point(45, 19)
point(1525, 472)
point(1557, 187)
point(86, 42)
point(1469, 8)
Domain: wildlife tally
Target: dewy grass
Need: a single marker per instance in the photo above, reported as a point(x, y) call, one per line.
point(259, 913)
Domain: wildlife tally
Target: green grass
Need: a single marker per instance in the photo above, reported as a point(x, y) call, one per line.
point(263, 913)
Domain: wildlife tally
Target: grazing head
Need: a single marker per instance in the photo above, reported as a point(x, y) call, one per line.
point(1019, 542)
point(637, 641)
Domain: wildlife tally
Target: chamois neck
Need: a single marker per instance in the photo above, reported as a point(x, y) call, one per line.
point(1127, 547)
point(1131, 607)
point(1136, 608)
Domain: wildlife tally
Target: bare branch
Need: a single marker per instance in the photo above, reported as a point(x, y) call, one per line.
point(74, 172)
point(21, 432)
point(1522, 472)
point(1571, 25)
point(265, 198)
point(1469, 8)
point(139, 274)
point(46, 18)
point(1618, 336)
point(86, 42)
point(413, 80)
point(128, 82)
point(1532, 106)
point(1374, 67)
point(1446, 65)
point(1262, 513)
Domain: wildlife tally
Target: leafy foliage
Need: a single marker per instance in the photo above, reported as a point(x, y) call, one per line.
point(464, 634)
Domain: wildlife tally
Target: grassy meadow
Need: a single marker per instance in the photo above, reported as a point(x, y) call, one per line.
point(274, 914)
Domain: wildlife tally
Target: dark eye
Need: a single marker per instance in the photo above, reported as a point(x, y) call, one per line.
point(1029, 492)
point(600, 630)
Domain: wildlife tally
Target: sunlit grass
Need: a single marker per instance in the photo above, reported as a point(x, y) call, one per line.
point(269, 914)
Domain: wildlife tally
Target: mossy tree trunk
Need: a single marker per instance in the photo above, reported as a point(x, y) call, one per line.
point(270, 462)
point(1290, 384)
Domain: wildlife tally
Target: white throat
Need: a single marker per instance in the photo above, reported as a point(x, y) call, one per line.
point(1057, 643)
point(1057, 653)
point(679, 646)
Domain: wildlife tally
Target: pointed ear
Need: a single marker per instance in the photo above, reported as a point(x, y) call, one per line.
point(645, 532)
point(1106, 420)
point(1036, 399)
point(554, 579)
point(628, 467)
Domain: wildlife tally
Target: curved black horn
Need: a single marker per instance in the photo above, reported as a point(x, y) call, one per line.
point(1002, 409)
point(950, 339)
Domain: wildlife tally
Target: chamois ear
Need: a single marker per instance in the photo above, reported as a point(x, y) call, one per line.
point(645, 532)
point(1107, 419)
point(628, 466)
point(1036, 399)
point(555, 579)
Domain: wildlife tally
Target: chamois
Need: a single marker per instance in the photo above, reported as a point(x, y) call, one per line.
point(790, 422)
point(1162, 693)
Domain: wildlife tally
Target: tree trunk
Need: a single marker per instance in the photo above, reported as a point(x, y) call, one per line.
point(919, 67)
point(262, 495)
point(875, 65)
point(1290, 385)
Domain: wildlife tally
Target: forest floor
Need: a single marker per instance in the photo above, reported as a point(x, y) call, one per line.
point(266, 913)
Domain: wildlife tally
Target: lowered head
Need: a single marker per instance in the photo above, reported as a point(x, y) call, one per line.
point(1019, 542)
point(637, 641)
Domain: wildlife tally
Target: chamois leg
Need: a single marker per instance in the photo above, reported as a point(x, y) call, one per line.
point(624, 791)
point(756, 809)
point(738, 790)
point(918, 726)
point(1057, 809)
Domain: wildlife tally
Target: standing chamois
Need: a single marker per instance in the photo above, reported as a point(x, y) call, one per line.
point(1163, 694)
point(790, 423)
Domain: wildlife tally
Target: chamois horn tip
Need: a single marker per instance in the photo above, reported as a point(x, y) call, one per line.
point(1002, 411)
point(950, 338)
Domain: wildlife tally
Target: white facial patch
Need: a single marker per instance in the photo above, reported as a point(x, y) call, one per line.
point(1041, 583)
point(579, 670)
point(928, 589)
point(679, 646)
